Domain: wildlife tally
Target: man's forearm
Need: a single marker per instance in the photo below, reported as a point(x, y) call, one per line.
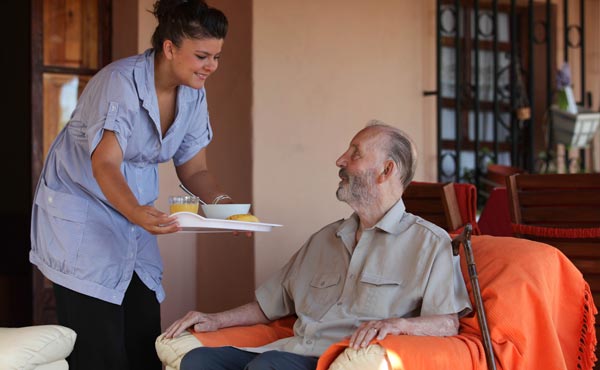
point(248, 314)
point(439, 326)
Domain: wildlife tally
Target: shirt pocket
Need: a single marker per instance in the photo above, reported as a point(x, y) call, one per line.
point(324, 290)
point(63, 227)
point(377, 294)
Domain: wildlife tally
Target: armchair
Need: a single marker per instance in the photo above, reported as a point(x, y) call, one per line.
point(562, 210)
point(449, 205)
point(539, 310)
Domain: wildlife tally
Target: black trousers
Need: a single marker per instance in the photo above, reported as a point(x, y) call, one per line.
point(110, 336)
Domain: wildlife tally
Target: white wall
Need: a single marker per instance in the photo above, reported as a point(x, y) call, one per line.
point(321, 70)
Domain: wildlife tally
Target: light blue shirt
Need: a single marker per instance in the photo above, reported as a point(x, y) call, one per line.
point(78, 240)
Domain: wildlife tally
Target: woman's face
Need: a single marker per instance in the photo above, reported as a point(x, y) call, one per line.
point(194, 60)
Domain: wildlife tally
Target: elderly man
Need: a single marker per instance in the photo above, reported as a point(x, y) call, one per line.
point(380, 271)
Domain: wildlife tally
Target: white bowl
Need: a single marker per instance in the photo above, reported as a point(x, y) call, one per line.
point(222, 211)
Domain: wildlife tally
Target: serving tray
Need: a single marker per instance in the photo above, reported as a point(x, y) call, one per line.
point(194, 223)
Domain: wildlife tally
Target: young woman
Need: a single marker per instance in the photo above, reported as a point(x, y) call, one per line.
point(93, 219)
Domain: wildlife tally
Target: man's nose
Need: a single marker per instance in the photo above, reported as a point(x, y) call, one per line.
point(341, 161)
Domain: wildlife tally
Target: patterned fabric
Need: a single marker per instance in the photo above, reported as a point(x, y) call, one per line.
point(557, 232)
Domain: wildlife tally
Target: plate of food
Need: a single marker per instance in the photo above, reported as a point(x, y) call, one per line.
point(193, 222)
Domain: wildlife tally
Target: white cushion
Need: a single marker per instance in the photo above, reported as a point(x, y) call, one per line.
point(171, 351)
point(371, 357)
point(56, 365)
point(30, 347)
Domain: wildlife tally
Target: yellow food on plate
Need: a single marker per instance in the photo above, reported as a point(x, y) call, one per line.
point(247, 217)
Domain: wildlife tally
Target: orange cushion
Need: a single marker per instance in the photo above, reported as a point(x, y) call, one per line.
point(539, 310)
point(248, 336)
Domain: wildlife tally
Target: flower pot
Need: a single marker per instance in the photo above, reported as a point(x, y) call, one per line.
point(574, 130)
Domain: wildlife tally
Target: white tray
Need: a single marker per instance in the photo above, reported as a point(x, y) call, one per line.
point(194, 223)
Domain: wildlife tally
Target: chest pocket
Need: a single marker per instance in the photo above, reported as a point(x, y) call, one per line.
point(323, 292)
point(325, 281)
point(378, 295)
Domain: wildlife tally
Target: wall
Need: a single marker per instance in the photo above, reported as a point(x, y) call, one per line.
point(225, 263)
point(15, 209)
point(178, 251)
point(321, 70)
point(211, 272)
point(297, 80)
point(306, 90)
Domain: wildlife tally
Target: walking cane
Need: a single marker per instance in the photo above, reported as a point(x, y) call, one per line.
point(465, 239)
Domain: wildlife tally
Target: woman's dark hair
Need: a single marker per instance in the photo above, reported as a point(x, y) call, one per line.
point(179, 19)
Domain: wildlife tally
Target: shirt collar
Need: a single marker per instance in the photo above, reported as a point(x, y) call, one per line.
point(144, 79)
point(144, 75)
point(390, 222)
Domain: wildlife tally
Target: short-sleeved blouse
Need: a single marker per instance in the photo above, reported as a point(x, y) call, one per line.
point(78, 239)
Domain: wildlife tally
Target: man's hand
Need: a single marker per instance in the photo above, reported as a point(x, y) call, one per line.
point(201, 322)
point(437, 325)
point(367, 331)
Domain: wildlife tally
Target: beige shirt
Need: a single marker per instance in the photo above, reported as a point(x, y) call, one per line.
point(401, 267)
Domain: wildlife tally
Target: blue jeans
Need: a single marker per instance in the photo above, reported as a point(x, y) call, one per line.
point(229, 358)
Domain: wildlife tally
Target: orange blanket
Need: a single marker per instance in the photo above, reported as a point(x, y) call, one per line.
point(539, 309)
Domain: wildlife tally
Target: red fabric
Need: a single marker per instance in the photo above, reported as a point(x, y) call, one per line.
point(466, 197)
point(495, 217)
point(539, 310)
point(556, 232)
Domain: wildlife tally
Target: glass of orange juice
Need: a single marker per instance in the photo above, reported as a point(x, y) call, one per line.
point(183, 203)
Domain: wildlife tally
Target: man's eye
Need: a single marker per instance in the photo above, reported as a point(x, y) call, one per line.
point(355, 155)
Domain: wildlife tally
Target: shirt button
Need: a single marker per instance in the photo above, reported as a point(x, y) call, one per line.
point(132, 228)
point(322, 283)
point(351, 275)
point(309, 341)
point(50, 199)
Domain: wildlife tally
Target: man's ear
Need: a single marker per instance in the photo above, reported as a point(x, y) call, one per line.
point(389, 168)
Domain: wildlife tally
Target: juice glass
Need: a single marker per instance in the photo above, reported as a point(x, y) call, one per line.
point(183, 203)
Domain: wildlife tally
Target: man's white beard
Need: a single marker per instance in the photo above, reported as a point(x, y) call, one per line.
point(359, 189)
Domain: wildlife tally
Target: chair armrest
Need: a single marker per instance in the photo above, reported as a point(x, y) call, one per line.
point(171, 351)
point(32, 346)
point(369, 358)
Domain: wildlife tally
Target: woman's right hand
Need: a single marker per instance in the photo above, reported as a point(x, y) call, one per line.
point(201, 322)
point(154, 221)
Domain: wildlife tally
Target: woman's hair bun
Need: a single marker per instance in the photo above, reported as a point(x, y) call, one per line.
point(166, 9)
point(178, 19)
